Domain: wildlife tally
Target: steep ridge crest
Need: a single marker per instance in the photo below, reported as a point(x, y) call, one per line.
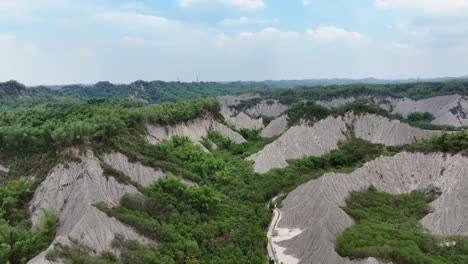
point(195, 129)
point(71, 189)
point(314, 208)
point(323, 136)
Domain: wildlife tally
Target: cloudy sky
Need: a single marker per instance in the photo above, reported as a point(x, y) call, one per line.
point(85, 41)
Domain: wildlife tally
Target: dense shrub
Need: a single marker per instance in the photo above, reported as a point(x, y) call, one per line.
point(18, 244)
point(388, 227)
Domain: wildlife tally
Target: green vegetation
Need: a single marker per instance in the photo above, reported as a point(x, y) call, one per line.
point(158, 91)
point(54, 126)
point(254, 144)
point(420, 117)
point(17, 243)
point(13, 94)
point(311, 112)
point(388, 227)
point(16, 95)
point(410, 90)
point(350, 155)
point(11, 90)
point(222, 219)
point(448, 143)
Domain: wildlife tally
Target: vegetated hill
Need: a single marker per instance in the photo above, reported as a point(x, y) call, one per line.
point(12, 90)
point(158, 91)
point(314, 211)
point(447, 102)
point(323, 133)
point(343, 81)
point(114, 181)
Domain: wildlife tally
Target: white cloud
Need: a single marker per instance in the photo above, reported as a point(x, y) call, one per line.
point(246, 35)
point(307, 2)
point(221, 39)
point(133, 20)
point(239, 4)
point(431, 7)
point(332, 33)
point(246, 21)
point(132, 41)
point(268, 33)
point(235, 21)
point(400, 46)
point(7, 38)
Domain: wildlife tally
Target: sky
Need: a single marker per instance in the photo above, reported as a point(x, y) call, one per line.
point(86, 41)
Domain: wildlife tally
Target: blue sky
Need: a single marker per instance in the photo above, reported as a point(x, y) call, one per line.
point(71, 41)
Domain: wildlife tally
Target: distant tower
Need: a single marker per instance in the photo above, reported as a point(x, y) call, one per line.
point(197, 78)
point(178, 79)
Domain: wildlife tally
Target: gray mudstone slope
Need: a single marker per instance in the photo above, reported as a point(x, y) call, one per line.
point(250, 118)
point(239, 120)
point(195, 129)
point(136, 171)
point(323, 136)
point(139, 173)
point(3, 168)
point(271, 108)
point(314, 208)
point(276, 127)
point(70, 190)
point(336, 102)
point(448, 110)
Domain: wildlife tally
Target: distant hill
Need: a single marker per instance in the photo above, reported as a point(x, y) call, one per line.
point(344, 81)
point(12, 90)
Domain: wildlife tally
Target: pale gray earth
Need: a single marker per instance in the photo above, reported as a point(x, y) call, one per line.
point(276, 127)
point(312, 218)
point(242, 120)
point(271, 108)
point(3, 168)
point(70, 190)
point(138, 172)
point(250, 118)
point(239, 120)
point(323, 136)
point(195, 129)
point(448, 110)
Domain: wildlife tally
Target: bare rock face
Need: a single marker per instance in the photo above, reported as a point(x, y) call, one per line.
point(276, 127)
point(336, 102)
point(136, 171)
point(70, 190)
point(272, 108)
point(195, 129)
point(232, 116)
point(447, 110)
point(381, 130)
point(233, 100)
point(3, 168)
point(300, 141)
point(323, 136)
point(242, 120)
point(313, 214)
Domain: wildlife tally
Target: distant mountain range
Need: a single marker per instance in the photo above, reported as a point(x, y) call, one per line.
point(313, 82)
point(344, 81)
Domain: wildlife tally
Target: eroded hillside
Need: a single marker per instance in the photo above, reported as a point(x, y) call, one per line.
point(108, 181)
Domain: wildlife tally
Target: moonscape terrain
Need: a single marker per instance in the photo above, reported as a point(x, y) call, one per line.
point(171, 172)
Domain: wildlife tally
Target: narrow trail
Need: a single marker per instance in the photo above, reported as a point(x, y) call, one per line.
point(276, 217)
